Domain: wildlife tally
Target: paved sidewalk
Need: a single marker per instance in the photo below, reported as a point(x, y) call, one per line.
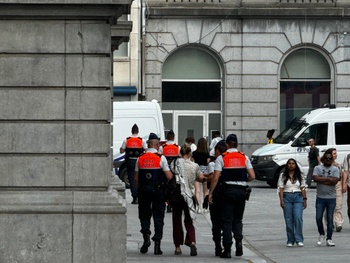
point(205, 245)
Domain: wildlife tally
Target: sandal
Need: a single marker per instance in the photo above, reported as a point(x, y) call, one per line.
point(178, 251)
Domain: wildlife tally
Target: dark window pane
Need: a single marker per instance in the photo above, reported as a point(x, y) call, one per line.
point(342, 133)
point(191, 91)
point(299, 97)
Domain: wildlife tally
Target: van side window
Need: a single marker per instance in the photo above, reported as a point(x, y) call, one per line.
point(318, 131)
point(342, 133)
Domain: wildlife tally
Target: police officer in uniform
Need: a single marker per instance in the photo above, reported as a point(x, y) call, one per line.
point(151, 172)
point(171, 151)
point(235, 170)
point(214, 207)
point(133, 147)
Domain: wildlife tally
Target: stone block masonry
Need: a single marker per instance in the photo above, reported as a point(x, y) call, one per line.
point(57, 202)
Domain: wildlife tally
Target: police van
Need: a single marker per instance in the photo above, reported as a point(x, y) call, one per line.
point(148, 117)
point(330, 127)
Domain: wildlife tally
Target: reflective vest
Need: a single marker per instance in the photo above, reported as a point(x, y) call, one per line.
point(133, 147)
point(170, 152)
point(235, 168)
point(150, 171)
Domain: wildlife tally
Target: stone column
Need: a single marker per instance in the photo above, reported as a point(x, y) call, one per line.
point(56, 203)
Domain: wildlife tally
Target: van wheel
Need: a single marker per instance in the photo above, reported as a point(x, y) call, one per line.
point(123, 175)
point(273, 183)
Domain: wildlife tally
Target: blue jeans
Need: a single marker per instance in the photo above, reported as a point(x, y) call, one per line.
point(293, 216)
point(321, 205)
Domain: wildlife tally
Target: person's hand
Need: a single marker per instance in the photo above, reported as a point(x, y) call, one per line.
point(304, 203)
point(334, 180)
point(345, 188)
point(282, 204)
point(210, 199)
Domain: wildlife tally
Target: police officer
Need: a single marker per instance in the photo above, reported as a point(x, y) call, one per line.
point(151, 171)
point(171, 151)
point(133, 147)
point(235, 170)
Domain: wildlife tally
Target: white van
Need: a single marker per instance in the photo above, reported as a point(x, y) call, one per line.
point(148, 117)
point(330, 127)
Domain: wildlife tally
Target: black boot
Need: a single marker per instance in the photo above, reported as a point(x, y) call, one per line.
point(157, 250)
point(146, 243)
point(239, 248)
point(218, 249)
point(226, 253)
point(135, 201)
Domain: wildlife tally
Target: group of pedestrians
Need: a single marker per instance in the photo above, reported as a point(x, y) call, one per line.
point(331, 179)
point(160, 167)
point(223, 173)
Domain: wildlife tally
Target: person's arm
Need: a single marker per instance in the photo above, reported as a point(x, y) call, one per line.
point(325, 180)
point(168, 174)
point(251, 174)
point(213, 183)
point(345, 175)
point(280, 193)
point(318, 159)
point(303, 193)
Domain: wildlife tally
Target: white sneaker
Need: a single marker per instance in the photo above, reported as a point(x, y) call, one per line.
point(320, 240)
point(289, 245)
point(300, 244)
point(330, 243)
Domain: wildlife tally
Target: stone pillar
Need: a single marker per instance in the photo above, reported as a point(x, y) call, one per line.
point(57, 204)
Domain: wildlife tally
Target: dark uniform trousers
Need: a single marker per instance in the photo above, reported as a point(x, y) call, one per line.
point(232, 206)
point(152, 203)
point(214, 209)
point(130, 167)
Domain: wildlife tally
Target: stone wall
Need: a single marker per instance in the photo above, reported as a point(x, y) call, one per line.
point(57, 204)
point(251, 45)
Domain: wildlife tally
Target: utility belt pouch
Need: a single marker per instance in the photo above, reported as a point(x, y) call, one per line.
point(247, 193)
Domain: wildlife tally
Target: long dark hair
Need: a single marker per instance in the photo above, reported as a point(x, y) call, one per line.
point(202, 145)
point(297, 172)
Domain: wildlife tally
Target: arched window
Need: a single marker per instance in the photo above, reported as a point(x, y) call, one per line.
point(191, 93)
point(191, 75)
point(305, 84)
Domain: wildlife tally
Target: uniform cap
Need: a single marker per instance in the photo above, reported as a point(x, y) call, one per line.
point(221, 143)
point(153, 136)
point(231, 138)
point(171, 133)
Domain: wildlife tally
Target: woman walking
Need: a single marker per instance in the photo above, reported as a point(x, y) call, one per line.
point(291, 187)
point(202, 158)
point(186, 173)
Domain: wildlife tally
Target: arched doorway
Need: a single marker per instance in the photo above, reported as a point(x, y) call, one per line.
point(192, 94)
point(305, 84)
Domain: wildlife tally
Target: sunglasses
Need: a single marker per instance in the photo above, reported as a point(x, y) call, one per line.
point(328, 158)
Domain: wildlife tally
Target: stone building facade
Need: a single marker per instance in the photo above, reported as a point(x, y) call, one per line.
point(258, 63)
point(58, 201)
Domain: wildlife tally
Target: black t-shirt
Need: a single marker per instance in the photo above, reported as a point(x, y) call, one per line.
point(313, 154)
point(201, 158)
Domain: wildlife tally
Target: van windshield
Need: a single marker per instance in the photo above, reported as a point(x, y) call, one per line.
point(289, 134)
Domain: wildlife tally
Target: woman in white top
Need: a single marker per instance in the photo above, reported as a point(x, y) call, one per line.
point(291, 188)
